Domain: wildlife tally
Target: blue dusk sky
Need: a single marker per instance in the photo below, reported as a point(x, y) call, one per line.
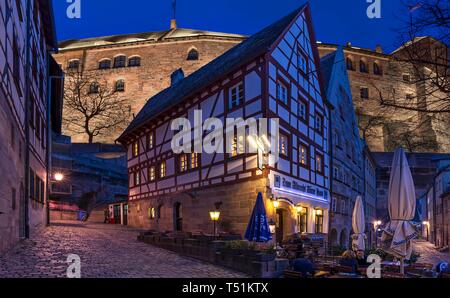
point(335, 21)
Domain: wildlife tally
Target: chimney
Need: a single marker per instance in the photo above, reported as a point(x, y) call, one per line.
point(173, 24)
point(177, 76)
point(379, 49)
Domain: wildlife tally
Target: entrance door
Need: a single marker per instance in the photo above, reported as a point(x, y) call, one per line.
point(279, 226)
point(178, 217)
point(117, 214)
point(125, 214)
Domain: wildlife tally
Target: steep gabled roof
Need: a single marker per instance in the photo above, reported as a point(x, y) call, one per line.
point(242, 53)
point(326, 66)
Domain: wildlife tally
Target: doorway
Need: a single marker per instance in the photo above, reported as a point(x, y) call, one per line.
point(125, 214)
point(279, 231)
point(178, 217)
point(116, 214)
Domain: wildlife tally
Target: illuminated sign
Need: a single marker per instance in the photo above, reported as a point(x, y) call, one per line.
point(296, 187)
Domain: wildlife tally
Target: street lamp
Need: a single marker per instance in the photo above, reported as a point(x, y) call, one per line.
point(272, 226)
point(59, 177)
point(427, 225)
point(214, 215)
point(299, 209)
point(376, 224)
point(275, 203)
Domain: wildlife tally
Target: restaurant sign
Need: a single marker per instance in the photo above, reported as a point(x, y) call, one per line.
point(302, 188)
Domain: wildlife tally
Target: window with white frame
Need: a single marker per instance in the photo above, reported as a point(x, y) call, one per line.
point(236, 96)
point(282, 92)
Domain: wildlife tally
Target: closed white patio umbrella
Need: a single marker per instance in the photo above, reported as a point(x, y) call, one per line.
point(358, 225)
point(398, 233)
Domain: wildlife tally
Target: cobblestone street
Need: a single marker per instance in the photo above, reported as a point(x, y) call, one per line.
point(428, 254)
point(105, 251)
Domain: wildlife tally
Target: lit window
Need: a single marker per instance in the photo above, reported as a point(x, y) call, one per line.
point(162, 170)
point(236, 96)
point(192, 55)
point(302, 111)
point(303, 220)
point(120, 86)
point(319, 163)
point(282, 92)
point(303, 155)
point(135, 149)
point(134, 61)
point(150, 143)
point(104, 64)
point(194, 160)
point(120, 61)
point(319, 221)
point(234, 147)
point(284, 145)
point(151, 173)
point(183, 163)
point(137, 178)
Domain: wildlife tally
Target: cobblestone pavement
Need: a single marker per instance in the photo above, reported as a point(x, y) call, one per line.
point(106, 251)
point(428, 254)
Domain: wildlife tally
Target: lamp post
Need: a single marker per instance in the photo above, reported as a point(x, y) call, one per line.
point(214, 215)
point(427, 225)
point(376, 224)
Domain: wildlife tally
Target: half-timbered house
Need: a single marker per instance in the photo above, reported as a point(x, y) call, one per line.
point(274, 74)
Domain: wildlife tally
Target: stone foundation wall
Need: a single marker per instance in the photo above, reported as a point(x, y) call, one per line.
point(238, 202)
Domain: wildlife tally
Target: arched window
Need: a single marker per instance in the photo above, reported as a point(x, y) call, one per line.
point(350, 65)
point(377, 69)
point(120, 86)
point(193, 55)
point(120, 61)
point(363, 66)
point(104, 64)
point(93, 88)
point(134, 61)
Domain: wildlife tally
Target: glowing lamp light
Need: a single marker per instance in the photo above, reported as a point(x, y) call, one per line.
point(272, 226)
point(276, 203)
point(299, 209)
point(319, 212)
point(59, 177)
point(426, 223)
point(214, 215)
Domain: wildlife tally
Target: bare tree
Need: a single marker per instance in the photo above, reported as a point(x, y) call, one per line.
point(92, 107)
point(424, 49)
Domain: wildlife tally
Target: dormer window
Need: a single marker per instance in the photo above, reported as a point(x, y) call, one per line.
point(134, 61)
point(104, 64)
point(193, 55)
point(120, 61)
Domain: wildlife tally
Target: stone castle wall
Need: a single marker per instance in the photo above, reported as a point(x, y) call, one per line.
point(158, 61)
